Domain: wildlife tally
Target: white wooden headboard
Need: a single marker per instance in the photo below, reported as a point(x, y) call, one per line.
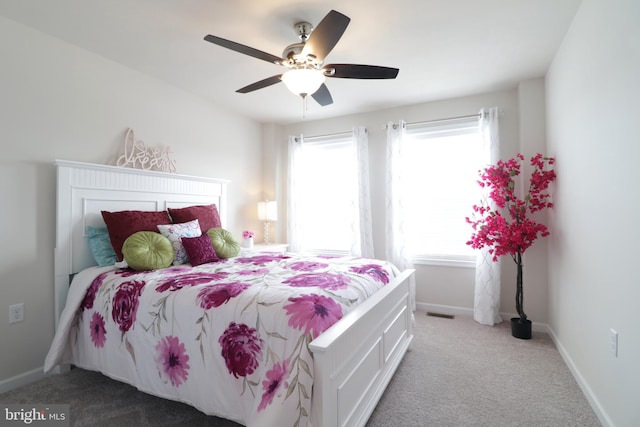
point(86, 189)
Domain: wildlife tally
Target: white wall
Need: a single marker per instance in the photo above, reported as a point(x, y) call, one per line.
point(61, 102)
point(593, 89)
point(447, 289)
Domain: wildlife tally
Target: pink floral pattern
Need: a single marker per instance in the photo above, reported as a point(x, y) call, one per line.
point(241, 349)
point(254, 272)
point(275, 381)
point(191, 279)
point(98, 332)
point(216, 295)
point(172, 361)
point(237, 330)
point(313, 313)
point(374, 271)
point(125, 304)
point(87, 302)
point(330, 281)
point(308, 265)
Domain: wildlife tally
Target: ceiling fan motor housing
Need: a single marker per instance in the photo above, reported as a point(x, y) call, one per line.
point(293, 51)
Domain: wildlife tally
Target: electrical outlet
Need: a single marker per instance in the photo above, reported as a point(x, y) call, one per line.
point(613, 342)
point(16, 313)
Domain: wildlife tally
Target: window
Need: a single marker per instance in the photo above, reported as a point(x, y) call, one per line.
point(442, 161)
point(326, 181)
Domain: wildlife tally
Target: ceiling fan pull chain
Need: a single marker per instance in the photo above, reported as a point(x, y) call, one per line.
point(304, 107)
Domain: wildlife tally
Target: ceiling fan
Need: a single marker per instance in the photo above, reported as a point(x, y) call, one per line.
point(305, 60)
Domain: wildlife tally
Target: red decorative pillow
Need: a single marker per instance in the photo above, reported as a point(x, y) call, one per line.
point(207, 216)
point(199, 250)
point(123, 224)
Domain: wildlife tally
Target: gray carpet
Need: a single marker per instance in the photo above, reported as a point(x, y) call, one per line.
point(459, 373)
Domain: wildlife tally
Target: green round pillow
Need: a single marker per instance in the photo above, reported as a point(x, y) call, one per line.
point(224, 243)
point(147, 250)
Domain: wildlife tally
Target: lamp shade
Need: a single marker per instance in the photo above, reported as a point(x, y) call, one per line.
point(303, 81)
point(268, 210)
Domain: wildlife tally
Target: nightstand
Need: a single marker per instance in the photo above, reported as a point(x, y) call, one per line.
point(271, 247)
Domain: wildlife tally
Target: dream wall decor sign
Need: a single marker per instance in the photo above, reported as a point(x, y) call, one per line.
point(139, 156)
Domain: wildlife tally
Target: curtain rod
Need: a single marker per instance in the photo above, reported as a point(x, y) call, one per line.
point(329, 135)
point(447, 119)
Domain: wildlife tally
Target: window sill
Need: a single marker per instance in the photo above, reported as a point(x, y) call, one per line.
point(445, 261)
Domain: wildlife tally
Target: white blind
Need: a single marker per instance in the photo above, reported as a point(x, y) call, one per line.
point(327, 180)
point(442, 161)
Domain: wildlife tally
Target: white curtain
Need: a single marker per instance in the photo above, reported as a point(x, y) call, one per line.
point(396, 246)
point(293, 224)
point(486, 307)
point(361, 239)
point(362, 227)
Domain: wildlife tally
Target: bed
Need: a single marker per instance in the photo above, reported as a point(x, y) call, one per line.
point(241, 353)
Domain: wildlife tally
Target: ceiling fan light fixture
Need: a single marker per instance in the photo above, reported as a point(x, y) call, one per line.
point(303, 81)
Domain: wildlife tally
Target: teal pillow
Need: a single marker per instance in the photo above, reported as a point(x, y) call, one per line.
point(224, 243)
point(146, 250)
point(100, 246)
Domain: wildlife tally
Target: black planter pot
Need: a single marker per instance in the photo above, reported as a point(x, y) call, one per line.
point(521, 329)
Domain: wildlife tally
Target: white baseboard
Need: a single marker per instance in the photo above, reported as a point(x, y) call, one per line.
point(21, 380)
point(586, 390)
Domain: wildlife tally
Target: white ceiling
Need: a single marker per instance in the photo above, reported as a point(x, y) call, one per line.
point(443, 48)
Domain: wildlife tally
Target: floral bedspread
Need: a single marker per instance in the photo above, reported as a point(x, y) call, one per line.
point(230, 338)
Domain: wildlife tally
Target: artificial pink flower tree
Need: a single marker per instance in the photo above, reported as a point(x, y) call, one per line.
point(507, 227)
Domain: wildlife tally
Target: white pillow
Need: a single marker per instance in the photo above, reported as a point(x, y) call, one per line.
point(175, 232)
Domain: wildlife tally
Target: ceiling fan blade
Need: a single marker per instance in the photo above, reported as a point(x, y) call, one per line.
point(261, 84)
point(244, 49)
point(322, 95)
point(355, 71)
point(326, 35)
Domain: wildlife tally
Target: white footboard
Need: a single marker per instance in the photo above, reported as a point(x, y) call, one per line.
point(355, 358)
